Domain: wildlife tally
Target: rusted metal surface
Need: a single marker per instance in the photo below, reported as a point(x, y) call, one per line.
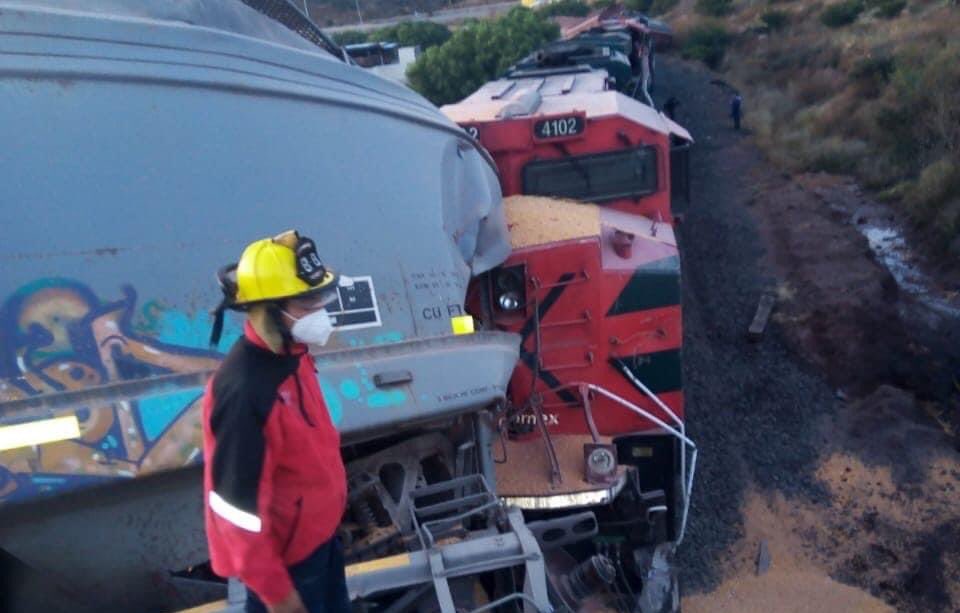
point(526, 473)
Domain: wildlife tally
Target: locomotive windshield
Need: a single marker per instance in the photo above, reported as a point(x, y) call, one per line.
point(594, 178)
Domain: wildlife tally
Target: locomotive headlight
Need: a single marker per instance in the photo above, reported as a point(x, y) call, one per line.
point(509, 301)
point(508, 288)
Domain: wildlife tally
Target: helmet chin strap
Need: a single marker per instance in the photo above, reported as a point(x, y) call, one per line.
point(226, 279)
point(218, 315)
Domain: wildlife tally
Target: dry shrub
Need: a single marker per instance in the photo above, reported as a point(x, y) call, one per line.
point(714, 8)
point(947, 225)
point(763, 125)
point(877, 172)
point(835, 116)
point(872, 73)
point(810, 10)
point(895, 193)
point(835, 155)
point(770, 110)
point(842, 13)
point(920, 120)
point(948, 219)
point(775, 20)
point(889, 9)
point(814, 86)
point(937, 182)
point(784, 59)
point(706, 42)
point(659, 7)
point(862, 122)
point(789, 150)
point(879, 99)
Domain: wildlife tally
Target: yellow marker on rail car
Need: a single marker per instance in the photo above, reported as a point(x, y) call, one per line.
point(462, 324)
point(39, 432)
point(402, 559)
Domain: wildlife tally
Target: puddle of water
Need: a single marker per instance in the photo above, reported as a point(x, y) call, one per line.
point(890, 246)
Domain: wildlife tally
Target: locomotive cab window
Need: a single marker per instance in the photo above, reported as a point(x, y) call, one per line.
point(594, 178)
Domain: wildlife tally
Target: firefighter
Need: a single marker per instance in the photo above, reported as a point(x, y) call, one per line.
point(274, 482)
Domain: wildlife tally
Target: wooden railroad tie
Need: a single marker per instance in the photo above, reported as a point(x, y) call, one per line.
point(759, 323)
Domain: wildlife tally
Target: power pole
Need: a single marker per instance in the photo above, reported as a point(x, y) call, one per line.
point(359, 16)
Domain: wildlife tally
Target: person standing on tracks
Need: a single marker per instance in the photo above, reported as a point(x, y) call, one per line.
point(736, 110)
point(274, 481)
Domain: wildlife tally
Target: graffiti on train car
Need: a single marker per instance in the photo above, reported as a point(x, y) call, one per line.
point(57, 335)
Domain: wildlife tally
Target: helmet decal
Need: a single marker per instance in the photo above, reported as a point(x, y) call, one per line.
point(310, 268)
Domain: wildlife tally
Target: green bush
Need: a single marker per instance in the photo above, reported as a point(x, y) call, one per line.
point(707, 43)
point(426, 34)
point(641, 6)
point(841, 14)
point(921, 120)
point(873, 68)
point(775, 19)
point(918, 129)
point(350, 37)
point(565, 8)
point(659, 7)
point(478, 52)
point(650, 7)
point(888, 9)
point(936, 183)
point(714, 8)
point(834, 155)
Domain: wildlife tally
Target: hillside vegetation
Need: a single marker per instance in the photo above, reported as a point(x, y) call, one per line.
point(863, 87)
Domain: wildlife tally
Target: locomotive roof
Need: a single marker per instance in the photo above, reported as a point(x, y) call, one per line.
point(556, 94)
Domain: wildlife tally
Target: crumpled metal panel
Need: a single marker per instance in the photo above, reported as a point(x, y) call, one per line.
point(142, 155)
point(233, 16)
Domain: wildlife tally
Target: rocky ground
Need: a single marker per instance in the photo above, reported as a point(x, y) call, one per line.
point(831, 443)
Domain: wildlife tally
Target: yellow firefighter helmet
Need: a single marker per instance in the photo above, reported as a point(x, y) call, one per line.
point(272, 269)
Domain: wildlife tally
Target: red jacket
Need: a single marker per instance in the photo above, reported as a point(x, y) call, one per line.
point(273, 479)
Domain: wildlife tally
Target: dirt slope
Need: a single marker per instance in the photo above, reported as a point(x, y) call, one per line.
point(821, 438)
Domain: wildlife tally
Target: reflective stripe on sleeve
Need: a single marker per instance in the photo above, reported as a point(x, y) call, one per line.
point(237, 517)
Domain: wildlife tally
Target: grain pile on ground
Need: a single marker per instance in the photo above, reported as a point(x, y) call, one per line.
point(534, 220)
point(792, 584)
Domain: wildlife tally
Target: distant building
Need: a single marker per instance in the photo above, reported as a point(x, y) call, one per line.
point(369, 55)
point(389, 60)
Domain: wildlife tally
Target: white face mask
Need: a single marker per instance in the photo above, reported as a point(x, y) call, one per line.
point(312, 329)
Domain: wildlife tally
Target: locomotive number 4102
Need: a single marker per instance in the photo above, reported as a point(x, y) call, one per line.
point(559, 127)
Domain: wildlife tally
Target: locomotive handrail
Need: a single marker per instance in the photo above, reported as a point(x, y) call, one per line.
point(679, 432)
point(583, 277)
